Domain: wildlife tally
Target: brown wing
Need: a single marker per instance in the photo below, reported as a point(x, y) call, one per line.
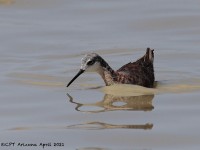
point(144, 61)
point(140, 72)
point(148, 57)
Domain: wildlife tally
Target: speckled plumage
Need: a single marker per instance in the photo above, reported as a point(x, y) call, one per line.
point(140, 72)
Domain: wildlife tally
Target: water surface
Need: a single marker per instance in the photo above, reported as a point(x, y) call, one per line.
point(42, 43)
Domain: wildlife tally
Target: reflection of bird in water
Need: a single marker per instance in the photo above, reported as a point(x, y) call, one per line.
point(101, 125)
point(140, 72)
point(111, 103)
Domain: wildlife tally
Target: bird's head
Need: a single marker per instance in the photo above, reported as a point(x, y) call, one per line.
point(89, 63)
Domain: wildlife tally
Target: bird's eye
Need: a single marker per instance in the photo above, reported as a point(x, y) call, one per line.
point(91, 62)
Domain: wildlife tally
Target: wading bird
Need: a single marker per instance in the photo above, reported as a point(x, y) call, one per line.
point(140, 72)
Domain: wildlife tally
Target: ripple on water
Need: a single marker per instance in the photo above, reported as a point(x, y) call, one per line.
point(190, 85)
point(161, 87)
point(37, 79)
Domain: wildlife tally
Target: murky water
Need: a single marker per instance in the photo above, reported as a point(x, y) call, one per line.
point(42, 43)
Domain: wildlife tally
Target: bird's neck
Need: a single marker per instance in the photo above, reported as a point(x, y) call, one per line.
point(107, 73)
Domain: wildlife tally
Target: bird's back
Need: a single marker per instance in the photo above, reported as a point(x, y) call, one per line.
point(140, 72)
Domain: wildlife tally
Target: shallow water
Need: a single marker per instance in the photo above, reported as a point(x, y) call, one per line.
point(42, 43)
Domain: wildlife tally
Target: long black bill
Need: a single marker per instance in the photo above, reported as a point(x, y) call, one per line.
point(76, 76)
